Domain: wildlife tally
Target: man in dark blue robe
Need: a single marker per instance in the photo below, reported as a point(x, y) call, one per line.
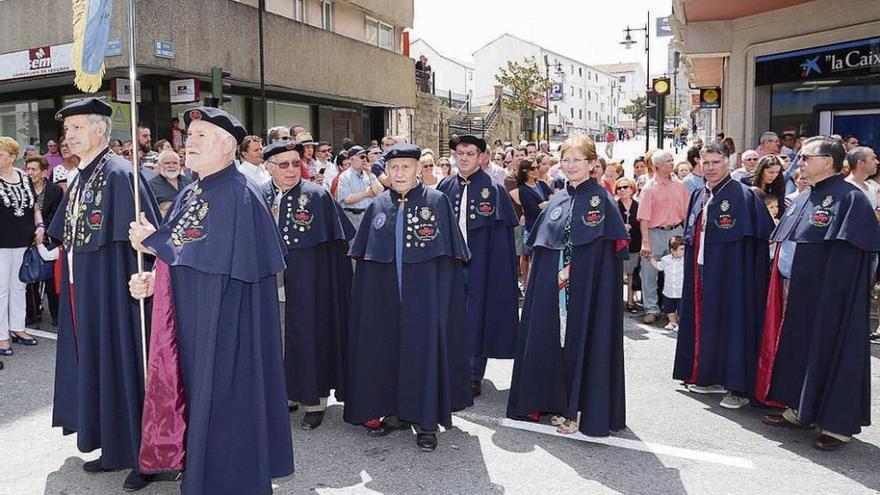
point(816, 360)
point(407, 343)
point(726, 268)
point(485, 215)
point(99, 380)
point(316, 283)
point(215, 402)
point(569, 356)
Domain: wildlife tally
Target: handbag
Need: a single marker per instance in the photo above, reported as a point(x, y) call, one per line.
point(33, 268)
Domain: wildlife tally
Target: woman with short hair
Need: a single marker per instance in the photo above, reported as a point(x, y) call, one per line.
point(569, 353)
point(22, 223)
point(48, 199)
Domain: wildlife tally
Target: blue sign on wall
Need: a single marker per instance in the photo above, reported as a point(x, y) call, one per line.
point(114, 47)
point(164, 49)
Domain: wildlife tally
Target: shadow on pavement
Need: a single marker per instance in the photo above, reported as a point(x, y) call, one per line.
point(337, 461)
point(856, 461)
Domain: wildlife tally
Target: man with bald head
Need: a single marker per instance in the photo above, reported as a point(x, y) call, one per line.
point(98, 370)
point(215, 403)
point(662, 208)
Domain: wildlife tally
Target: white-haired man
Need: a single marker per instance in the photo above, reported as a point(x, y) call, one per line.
point(216, 314)
point(99, 381)
point(662, 208)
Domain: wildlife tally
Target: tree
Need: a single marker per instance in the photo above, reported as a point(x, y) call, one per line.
point(526, 83)
point(636, 108)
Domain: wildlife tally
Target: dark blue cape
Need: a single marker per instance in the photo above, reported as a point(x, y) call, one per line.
point(587, 374)
point(317, 286)
point(407, 344)
point(722, 308)
point(492, 294)
point(821, 366)
point(99, 381)
point(223, 251)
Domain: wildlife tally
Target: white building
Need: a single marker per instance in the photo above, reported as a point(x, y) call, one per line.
point(589, 98)
point(631, 77)
point(449, 74)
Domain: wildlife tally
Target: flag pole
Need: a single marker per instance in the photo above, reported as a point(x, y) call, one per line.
point(135, 161)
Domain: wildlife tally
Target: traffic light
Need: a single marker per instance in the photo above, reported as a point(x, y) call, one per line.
point(220, 83)
point(661, 86)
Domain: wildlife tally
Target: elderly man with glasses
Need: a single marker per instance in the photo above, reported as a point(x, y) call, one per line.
point(357, 186)
point(814, 356)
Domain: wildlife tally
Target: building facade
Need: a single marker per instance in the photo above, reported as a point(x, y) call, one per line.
point(584, 100)
point(632, 84)
point(808, 67)
point(336, 67)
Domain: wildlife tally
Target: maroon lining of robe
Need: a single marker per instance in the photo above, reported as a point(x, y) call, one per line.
point(772, 331)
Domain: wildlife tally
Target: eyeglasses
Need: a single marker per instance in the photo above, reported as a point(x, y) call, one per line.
point(428, 165)
point(805, 156)
point(534, 168)
point(375, 152)
point(571, 161)
point(284, 138)
point(621, 188)
point(126, 152)
point(750, 159)
point(284, 165)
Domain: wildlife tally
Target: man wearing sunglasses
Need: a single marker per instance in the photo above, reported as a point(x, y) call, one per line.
point(815, 359)
point(324, 165)
point(357, 186)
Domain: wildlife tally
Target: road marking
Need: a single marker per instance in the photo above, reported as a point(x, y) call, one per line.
point(624, 443)
point(42, 334)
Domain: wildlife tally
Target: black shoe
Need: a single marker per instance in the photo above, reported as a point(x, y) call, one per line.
point(477, 388)
point(1, 365)
point(135, 481)
point(312, 420)
point(386, 428)
point(292, 407)
point(96, 467)
point(22, 340)
point(427, 442)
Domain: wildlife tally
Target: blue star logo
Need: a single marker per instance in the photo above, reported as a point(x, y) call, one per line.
point(810, 66)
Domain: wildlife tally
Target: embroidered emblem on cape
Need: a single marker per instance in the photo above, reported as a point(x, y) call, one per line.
point(190, 226)
point(485, 193)
point(725, 205)
point(426, 213)
point(302, 218)
point(88, 196)
point(556, 213)
point(95, 219)
point(821, 217)
point(725, 221)
point(593, 217)
point(379, 221)
point(827, 201)
point(422, 227)
point(595, 201)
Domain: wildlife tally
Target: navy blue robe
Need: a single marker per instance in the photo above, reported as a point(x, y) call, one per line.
point(224, 251)
point(99, 380)
point(586, 374)
point(317, 286)
point(722, 305)
point(407, 346)
point(819, 363)
point(492, 293)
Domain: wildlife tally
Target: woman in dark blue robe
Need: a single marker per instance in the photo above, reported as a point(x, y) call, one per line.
point(407, 344)
point(574, 369)
point(317, 283)
point(816, 361)
point(722, 306)
point(227, 410)
point(99, 379)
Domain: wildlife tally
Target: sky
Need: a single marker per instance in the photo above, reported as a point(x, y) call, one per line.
point(589, 31)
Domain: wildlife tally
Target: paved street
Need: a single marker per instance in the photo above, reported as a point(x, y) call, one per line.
point(675, 443)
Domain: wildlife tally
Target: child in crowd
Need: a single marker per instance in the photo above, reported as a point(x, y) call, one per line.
point(672, 265)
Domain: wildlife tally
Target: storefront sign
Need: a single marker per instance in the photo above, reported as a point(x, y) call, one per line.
point(710, 97)
point(853, 58)
point(556, 92)
point(164, 49)
point(40, 61)
point(184, 90)
point(120, 90)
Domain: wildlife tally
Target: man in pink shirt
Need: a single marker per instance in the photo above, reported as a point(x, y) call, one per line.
point(53, 156)
point(662, 208)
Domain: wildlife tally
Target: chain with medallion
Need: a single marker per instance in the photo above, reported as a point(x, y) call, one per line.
point(76, 219)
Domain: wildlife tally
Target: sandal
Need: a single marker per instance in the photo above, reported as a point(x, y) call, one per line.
point(568, 427)
point(632, 308)
point(557, 420)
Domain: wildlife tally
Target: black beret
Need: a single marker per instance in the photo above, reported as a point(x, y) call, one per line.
point(217, 117)
point(468, 139)
point(278, 147)
point(355, 150)
point(403, 151)
point(89, 106)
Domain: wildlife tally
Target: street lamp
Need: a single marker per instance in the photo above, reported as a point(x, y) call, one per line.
point(558, 67)
point(628, 42)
